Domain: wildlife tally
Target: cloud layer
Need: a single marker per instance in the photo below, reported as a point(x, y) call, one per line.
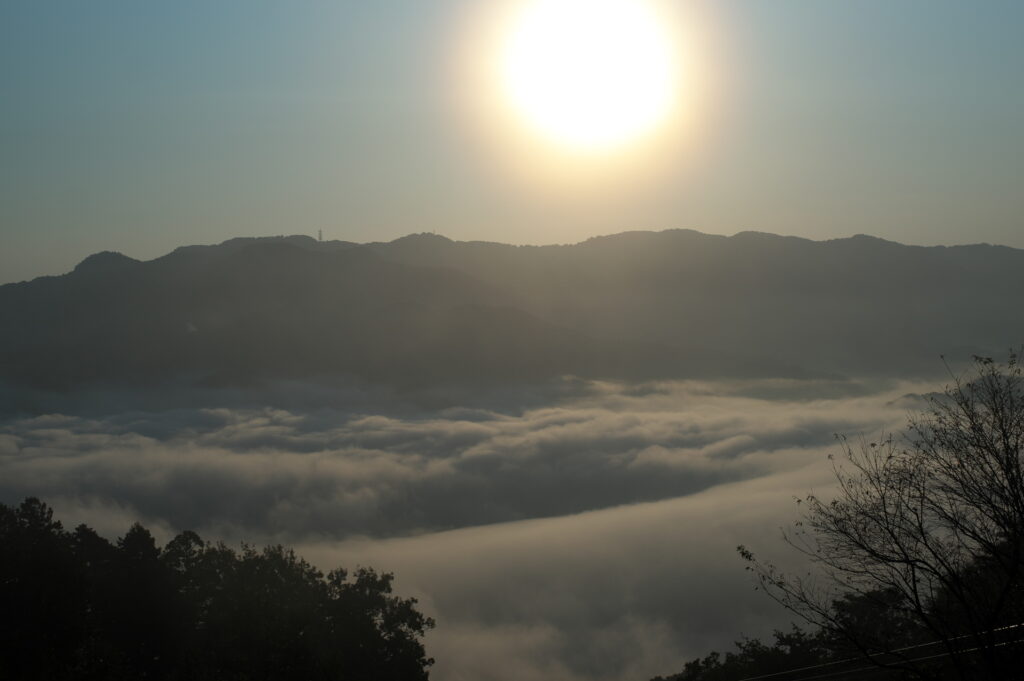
point(591, 537)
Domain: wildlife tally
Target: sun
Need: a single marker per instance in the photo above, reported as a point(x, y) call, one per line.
point(590, 75)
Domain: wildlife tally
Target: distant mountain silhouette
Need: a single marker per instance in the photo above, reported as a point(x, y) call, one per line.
point(105, 262)
point(425, 310)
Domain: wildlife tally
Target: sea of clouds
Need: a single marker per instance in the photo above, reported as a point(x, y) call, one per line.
point(585, 533)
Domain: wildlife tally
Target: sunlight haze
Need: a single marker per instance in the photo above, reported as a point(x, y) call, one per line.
point(153, 126)
point(493, 340)
point(590, 75)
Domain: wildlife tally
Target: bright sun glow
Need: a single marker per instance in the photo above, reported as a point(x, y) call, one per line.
point(590, 75)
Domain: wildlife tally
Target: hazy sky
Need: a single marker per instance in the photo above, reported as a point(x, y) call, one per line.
point(142, 126)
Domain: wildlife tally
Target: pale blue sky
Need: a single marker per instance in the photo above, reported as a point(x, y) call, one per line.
point(142, 126)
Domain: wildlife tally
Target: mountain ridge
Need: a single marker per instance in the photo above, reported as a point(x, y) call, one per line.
point(425, 309)
point(417, 238)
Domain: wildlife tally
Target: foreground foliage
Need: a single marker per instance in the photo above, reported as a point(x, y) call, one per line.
point(821, 653)
point(79, 607)
point(917, 564)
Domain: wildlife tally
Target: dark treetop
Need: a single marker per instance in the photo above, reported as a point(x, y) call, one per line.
point(78, 607)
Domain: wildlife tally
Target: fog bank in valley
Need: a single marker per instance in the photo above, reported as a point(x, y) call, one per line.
point(587, 535)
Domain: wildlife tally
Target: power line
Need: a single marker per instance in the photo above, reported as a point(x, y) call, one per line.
point(875, 668)
point(890, 652)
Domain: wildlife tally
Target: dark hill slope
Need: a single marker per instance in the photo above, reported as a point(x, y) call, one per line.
point(276, 309)
point(424, 309)
point(857, 305)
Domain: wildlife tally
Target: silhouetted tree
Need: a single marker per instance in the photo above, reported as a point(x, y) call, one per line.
point(78, 607)
point(920, 553)
point(791, 649)
point(43, 595)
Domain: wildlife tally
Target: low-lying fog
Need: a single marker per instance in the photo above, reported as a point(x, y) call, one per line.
point(590, 534)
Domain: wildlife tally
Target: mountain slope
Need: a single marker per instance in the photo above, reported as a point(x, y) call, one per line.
point(424, 310)
point(852, 305)
point(275, 309)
